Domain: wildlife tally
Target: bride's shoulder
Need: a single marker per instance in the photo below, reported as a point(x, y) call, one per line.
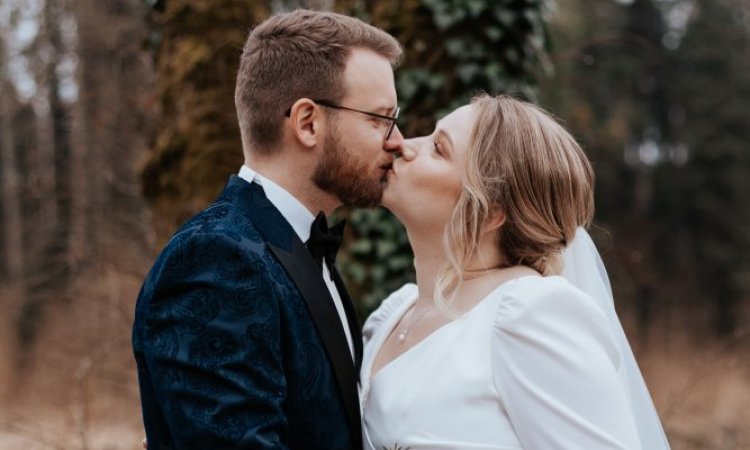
point(537, 299)
point(550, 316)
point(392, 303)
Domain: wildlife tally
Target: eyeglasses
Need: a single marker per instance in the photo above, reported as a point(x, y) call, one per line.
point(390, 119)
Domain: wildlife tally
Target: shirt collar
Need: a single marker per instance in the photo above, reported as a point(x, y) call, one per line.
point(298, 216)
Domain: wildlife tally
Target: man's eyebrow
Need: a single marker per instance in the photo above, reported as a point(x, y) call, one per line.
point(386, 109)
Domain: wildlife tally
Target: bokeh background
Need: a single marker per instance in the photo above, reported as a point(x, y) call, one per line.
point(117, 123)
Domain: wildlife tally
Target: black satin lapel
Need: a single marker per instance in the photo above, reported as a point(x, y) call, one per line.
point(309, 280)
point(355, 326)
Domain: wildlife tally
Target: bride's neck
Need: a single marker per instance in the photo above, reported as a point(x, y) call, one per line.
point(430, 258)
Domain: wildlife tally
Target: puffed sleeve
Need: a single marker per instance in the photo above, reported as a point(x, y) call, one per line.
point(386, 308)
point(555, 367)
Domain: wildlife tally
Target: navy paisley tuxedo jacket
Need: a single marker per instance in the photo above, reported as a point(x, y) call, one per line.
point(237, 340)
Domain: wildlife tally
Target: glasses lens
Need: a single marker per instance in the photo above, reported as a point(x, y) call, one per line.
point(393, 123)
point(390, 130)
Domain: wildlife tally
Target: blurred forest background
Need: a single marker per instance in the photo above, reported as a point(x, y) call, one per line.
point(117, 123)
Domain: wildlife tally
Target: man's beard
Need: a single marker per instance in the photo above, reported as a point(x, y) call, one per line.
point(342, 174)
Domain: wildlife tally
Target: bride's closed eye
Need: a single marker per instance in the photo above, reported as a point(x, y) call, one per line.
point(438, 148)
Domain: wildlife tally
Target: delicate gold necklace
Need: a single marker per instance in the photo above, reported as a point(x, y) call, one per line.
point(405, 331)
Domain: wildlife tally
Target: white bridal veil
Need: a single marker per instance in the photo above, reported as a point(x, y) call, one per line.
point(583, 267)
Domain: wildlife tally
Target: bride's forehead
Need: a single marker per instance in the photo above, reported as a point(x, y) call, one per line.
point(457, 125)
point(457, 118)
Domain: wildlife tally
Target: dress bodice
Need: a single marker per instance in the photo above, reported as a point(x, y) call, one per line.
point(529, 367)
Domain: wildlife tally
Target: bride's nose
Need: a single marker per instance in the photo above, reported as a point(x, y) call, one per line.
point(409, 149)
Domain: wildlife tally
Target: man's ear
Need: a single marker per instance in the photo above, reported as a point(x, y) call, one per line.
point(305, 122)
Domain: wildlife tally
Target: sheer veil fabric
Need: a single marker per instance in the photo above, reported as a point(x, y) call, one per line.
point(583, 268)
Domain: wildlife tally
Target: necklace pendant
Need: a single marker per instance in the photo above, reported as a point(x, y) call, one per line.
point(402, 336)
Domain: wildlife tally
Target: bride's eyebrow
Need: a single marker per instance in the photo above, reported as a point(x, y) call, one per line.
point(447, 137)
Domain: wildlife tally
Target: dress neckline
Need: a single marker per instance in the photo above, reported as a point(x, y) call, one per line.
point(387, 328)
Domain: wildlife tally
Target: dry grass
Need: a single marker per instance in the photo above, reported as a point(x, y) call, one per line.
point(703, 393)
point(78, 389)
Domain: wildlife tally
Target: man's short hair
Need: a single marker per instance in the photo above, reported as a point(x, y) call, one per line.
point(301, 54)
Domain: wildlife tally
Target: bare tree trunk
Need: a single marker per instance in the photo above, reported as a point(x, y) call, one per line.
point(113, 120)
point(60, 246)
point(94, 121)
point(12, 219)
point(49, 267)
point(13, 290)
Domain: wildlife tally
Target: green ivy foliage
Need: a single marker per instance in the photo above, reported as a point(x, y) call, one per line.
point(377, 258)
point(453, 49)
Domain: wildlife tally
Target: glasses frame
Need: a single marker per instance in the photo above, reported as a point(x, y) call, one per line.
point(391, 119)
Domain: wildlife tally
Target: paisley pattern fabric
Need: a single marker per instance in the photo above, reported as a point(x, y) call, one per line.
point(228, 356)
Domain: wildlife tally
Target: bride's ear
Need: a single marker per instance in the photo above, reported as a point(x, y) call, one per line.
point(496, 220)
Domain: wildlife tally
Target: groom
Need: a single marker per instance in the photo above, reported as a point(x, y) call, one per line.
point(244, 335)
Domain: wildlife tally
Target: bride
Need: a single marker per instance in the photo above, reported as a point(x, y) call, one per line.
point(509, 339)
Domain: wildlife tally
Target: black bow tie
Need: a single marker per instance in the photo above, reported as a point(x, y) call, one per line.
point(324, 242)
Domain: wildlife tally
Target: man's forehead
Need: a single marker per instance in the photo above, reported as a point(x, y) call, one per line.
point(369, 76)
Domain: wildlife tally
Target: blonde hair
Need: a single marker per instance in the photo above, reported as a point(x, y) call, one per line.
point(525, 164)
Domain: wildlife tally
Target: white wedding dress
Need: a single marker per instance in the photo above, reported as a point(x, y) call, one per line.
point(537, 364)
point(532, 366)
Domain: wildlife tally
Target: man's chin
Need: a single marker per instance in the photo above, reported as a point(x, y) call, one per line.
point(362, 200)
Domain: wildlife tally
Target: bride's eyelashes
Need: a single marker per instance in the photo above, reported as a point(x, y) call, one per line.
point(438, 148)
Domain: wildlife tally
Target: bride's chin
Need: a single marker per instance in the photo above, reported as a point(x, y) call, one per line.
point(391, 202)
point(388, 197)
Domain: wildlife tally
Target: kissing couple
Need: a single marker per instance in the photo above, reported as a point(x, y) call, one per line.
point(245, 336)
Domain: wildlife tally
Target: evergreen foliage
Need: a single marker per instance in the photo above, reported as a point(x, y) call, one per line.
point(453, 49)
point(658, 93)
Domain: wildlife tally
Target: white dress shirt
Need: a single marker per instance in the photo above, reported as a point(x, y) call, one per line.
point(300, 218)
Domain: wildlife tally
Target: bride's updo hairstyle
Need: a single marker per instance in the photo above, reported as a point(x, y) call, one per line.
point(523, 163)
